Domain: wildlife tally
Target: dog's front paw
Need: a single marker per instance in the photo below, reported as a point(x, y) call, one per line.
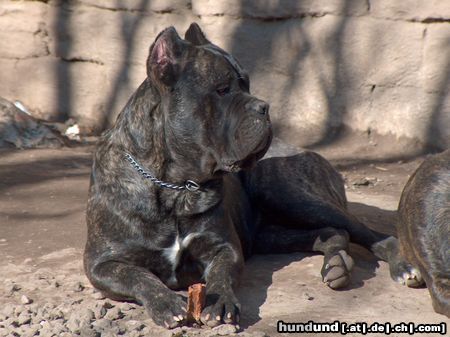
point(220, 309)
point(167, 310)
point(336, 269)
point(405, 273)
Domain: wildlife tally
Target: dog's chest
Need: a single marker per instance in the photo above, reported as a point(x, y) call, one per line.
point(174, 252)
point(173, 255)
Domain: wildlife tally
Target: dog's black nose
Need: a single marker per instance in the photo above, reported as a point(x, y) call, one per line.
point(258, 106)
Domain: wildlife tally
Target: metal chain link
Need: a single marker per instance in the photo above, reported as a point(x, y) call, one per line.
point(189, 184)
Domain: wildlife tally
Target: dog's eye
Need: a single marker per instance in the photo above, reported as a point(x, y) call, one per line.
point(222, 91)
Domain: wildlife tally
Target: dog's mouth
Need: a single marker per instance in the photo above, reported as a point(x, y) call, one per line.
point(249, 161)
point(237, 166)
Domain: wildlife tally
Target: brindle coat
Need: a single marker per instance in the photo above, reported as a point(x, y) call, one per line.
point(424, 227)
point(193, 118)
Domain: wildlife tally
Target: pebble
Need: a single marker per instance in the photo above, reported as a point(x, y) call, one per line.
point(108, 334)
point(98, 295)
point(102, 324)
point(55, 314)
point(86, 316)
point(86, 331)
point(254, 334)
point(78, 287)
point(8, 310)
point(126, 306)
point(25, 300)
point(73, 324)
point(24, 318)
point(11, 289)
point(225, 329)
point(134, 333)
point(99, 311)
point(65, 334)
point(113, 314)
point(308, 296)
point(64, 313)
point(18, 310)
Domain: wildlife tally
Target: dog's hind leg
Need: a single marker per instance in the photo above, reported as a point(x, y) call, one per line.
point(305, 192)
point(333, 243)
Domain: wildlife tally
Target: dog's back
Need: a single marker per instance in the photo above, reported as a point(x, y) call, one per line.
point(424, 226)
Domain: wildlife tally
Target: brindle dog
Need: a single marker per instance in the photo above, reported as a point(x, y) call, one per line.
point(424, 227)
point(173, 201)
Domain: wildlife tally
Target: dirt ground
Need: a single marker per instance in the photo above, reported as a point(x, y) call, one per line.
point(44, 292)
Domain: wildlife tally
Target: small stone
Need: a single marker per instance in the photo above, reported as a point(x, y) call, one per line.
point(108, 334)
point(102, 325)
point(146, 331)
point(134, 333)
point(45, 324)
point(12, 288)
point(125, 307)
point(55, 314)
point(58, 327)
point(73, 324)
point(86, 316)
point(65, 334)
point(25, 300)
point(30, 333)
point(366, 181)
point(86, 331)
point(36, 325)
point(78, 287)
point(24, 318)
point(46, 332)
point(98, 296)
point(178, 332)
point(135, 325)
point(308, 296)
point(113, 314)
point(258, 334)
point(18, 310)
point(90, 290)
point(225, 329)
point(8, 310)
point(108, 305)
point(99, 311)
point(78, 301)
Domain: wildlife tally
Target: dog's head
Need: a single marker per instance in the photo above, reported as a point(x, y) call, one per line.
point(210, 114)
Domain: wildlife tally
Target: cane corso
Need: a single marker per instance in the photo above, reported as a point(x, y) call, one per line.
point(177, 195)
point(424, 227)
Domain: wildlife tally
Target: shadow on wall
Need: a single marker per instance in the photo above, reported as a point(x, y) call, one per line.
point(64, 31)
point(434, 130)
point(129, 27)
point(63, 44)
point(335, 87)
point(328, 60)
point(323, 58)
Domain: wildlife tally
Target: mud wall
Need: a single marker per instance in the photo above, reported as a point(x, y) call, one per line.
point(324, 65)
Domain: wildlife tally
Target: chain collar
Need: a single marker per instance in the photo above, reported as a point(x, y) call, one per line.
point(189, 185)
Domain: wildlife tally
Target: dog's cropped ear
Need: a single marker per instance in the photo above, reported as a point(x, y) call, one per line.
point(195, 35)
point(163, 63)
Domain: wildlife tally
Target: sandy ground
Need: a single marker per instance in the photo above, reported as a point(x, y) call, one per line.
point(44, 292)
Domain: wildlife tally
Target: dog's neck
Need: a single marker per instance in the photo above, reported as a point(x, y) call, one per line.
point(151, 149)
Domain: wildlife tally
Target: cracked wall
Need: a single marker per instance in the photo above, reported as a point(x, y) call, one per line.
point(369, 66)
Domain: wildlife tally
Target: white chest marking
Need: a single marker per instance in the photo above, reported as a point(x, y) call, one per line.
point(173, 253)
